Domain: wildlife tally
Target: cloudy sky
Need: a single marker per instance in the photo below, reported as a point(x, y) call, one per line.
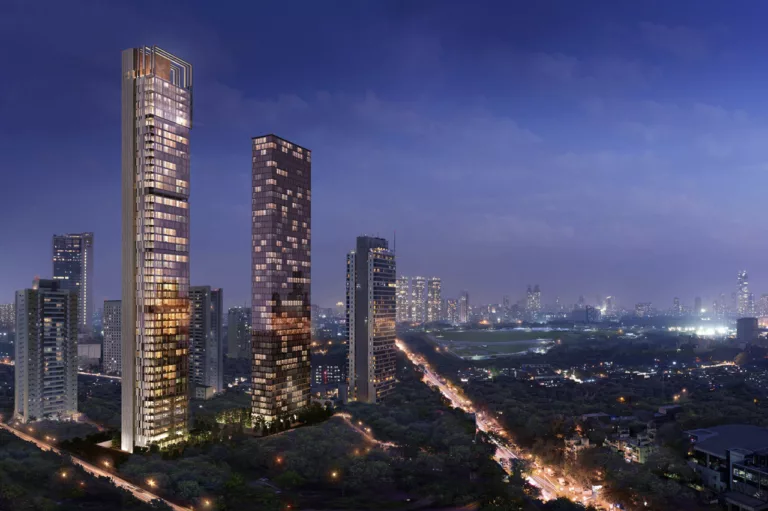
point(596, 148)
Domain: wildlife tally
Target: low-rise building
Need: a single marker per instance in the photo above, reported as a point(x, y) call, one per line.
point(733, 461)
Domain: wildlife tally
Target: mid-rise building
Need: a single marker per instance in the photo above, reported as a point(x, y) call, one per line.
point(464, 307)
point(206, 363)
point(239, 332)
point(73, 269)
point(47, 322)
point(7, 316)
point(281, 282)
point(112, 352)
point(157, 119)
point(403, 299)
point(419, 300)
point(371, 313)
point(697, 309)
point(434, 299)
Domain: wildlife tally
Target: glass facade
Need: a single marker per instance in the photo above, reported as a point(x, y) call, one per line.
point(73, 269)
point(281, 310)
point(157, 117)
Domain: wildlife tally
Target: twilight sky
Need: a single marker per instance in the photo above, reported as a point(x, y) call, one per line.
point(599, 147)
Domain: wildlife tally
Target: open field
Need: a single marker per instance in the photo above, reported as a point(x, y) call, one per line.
point(513, 347)
point(493, 336)
point(484, 343)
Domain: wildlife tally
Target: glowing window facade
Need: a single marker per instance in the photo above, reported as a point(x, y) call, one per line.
point(281, 248)
point(157, 116)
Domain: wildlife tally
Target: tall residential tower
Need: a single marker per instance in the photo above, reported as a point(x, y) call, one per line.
point(434, 300)
point(403, 299)
point(157, 117)
point(463, 314)
point(371, 311)
point(73, 269)
point(281, 240)
point(419, 300)
point(47, 322)
point(112, 324)
point(206, 364)
point(239, 332)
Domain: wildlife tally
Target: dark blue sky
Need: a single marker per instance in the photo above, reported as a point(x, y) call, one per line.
point(591, 147)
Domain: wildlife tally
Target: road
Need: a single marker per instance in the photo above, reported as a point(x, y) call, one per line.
point(488, 424)
point(138, 492)
point(364, 431)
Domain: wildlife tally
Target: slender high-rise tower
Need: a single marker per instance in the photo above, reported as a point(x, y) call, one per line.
point(239, 332)
point(419, 300)
point(73, 269)
point(371, 310)
point(403, 299)
point(463, 314)
point(743, 297)
point(434, 299)
point(156, 117)
point(112, 346)
point(205, 342)
point(281, 310)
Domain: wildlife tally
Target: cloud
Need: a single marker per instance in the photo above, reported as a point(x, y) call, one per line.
point(592, 71)
point(682, 42)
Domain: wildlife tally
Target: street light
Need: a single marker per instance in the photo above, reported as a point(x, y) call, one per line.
point(334, 474)
point(151, 483)
point(206, 502)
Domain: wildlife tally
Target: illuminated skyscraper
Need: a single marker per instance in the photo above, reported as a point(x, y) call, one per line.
point(239, 332)
point(206, 364)
point(419, 299)
point(281, 240)
point(742, 294)
point(452, 311)
point(403, 299)
point(73, 268)
point(113, 331)
point(47, 322)
point(157, 117)
point(371, 311)
point(434, 300)
point(464, 307)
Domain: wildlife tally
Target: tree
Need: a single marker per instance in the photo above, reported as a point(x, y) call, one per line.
point(188, 490)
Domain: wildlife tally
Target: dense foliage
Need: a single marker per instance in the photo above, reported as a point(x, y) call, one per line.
point(33, 480)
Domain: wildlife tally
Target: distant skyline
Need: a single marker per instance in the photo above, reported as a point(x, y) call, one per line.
point(609, 148)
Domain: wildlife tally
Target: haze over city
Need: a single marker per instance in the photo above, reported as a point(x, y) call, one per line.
point(614, 150)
